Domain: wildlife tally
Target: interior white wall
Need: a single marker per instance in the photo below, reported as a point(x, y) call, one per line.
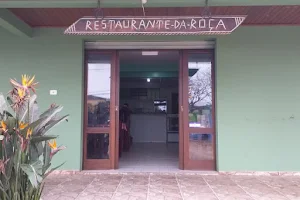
point(148, 127)
point(165, 94)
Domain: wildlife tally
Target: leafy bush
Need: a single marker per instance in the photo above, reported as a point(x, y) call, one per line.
point(26, 148)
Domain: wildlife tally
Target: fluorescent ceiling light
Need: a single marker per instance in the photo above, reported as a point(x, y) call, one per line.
point(149, 53)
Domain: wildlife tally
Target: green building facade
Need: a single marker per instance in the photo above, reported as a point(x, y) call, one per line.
point(257, 74)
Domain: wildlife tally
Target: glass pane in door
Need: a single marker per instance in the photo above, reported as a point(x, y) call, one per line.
point(200, 90)
point(201, 146)
point(98, 146)
point(98, 90)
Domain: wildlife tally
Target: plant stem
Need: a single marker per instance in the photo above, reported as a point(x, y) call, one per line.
point(28, 110)
point(17, 172)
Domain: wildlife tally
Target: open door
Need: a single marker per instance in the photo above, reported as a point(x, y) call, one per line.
point(100, 110)
point(198, 110)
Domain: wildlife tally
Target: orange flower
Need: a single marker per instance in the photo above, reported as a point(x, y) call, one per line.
point(3, 126)
point(22, 125)
point(53, 145)
point(54, 148)
point(29, 133)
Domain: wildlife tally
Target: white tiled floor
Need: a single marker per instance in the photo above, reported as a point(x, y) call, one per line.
point(150, 157)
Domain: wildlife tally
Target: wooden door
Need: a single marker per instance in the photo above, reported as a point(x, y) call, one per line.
point(198, 110)
point(100, 110)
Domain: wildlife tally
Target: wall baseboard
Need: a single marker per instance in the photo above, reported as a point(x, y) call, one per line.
point(260, 173)
point(234, 173)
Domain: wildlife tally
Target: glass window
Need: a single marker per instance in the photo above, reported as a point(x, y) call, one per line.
point(98, 90)
point(200, 91)
point(98, 146)
point(201, 146)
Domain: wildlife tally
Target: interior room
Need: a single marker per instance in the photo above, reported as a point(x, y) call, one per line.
point(149, 96)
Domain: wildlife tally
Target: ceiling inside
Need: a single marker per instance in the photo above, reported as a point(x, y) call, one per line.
point(163, 65)
point(138, 57)
point(257, 15)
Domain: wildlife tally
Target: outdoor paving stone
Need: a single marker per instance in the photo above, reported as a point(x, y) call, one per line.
point(129, 196)
point(170, 186)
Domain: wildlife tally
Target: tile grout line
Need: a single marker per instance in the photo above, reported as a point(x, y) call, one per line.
point(242, 188)
point(272, 188)
point(179, 187)
point(210, 188)
point(85, 188)
point(118, 186)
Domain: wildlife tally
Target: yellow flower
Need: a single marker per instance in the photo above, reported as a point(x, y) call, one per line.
point(53, 145)
point(22, 125)
point(26, 81)
point(3, 126)
point(29, 133)
point(21, 93)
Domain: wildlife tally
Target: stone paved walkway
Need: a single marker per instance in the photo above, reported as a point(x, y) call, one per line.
point(170, 186)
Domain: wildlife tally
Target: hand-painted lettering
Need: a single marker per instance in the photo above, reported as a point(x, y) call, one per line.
point(212, 25)
point(221, 23)
point(103, 23)
point(96, 25)
point(88, 25)
point(142, 24)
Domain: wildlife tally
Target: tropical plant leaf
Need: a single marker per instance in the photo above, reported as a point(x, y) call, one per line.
point(47, 158)
point(3, 104)
point(46, 167)
point(36, 150)
point(52, 124)
point(11, 124)
point(5, 115)
point(33, 172)
point(28, 109)
point(3, 190)
point(50, 111)
point(8, 114)
point(9, 168)
point(33, 126)
point(8, 148)
point(9, 100)
point(16, 157)
point(39, 194)
point(36, 139)
point(53, 169)
point(40, 124)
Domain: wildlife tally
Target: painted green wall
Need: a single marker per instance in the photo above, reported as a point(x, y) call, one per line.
point(258, 112)
point(57, 63)
point(257, 91)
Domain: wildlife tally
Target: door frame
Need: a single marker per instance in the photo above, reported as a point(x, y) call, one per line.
point(113, 162)
point(97, 164)
point(189, 164)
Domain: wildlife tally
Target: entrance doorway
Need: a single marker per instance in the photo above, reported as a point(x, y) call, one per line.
point(171, 98)
point(149, 130)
